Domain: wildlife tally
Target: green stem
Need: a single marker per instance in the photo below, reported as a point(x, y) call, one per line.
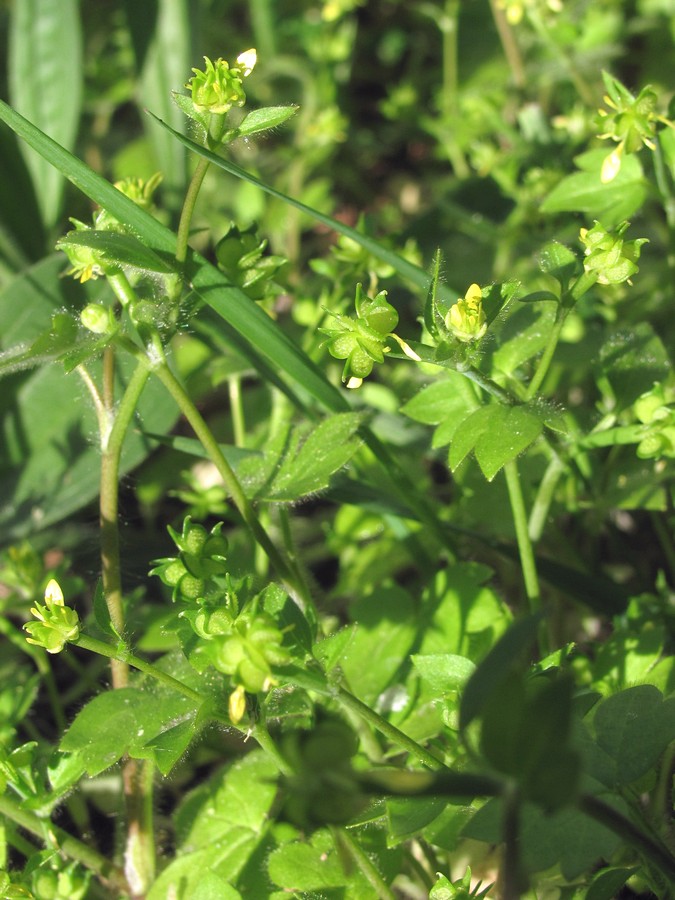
point(101, 408)
point(312, 681)
point(449, 25)
point(110, 468)
point(527, 561)
point(121, 653)
point(547, 356)
point(509, 45)
point(346, 844)
point(124, 292)
point(651, 848)
point(262, 736)
point(665, 185)
point(56, 837)
point(189, 203)
point(544, 498)
point(513, 881)
point(237, 410)
point(610, 437)
point(264, 33)
point(487, 384)
point(583, 284)
point(139, 853)
point(283, 569)
point(395, 735)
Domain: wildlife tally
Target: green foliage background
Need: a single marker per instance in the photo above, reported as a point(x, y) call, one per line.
point(446, 598)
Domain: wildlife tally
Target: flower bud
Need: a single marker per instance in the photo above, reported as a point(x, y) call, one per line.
point(85, 263)
point(608, 256)
point(218, 88)
point(99, 319)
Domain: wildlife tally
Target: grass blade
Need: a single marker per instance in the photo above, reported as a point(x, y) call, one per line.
point(45, 78)
point(406, 269)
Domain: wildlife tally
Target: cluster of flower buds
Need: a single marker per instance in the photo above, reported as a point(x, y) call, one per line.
point(57, 624)
point(248, 653)
point(46, 877)
point(201, 557)
point(88, 263)
point(656, 409)
point(241, 255)
point(606, 255)
point(362, 342)
point(243, 644)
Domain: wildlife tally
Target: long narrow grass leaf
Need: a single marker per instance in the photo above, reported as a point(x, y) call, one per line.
point(233, 305)
point(45, 83)
point(268, 342)
point(406, 269)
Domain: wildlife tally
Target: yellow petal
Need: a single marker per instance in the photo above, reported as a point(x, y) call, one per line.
point(474, 293)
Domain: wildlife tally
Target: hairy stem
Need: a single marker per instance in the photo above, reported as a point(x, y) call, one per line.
point(487, 384)
point(139, 853)
point(236, 410)
point(312, 681)
point(121, 653)
point(110, 469)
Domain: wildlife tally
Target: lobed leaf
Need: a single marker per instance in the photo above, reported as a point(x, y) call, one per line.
point(496, 434)
point(128, 720)
point(585, 192)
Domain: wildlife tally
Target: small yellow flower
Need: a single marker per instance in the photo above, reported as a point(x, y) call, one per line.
point(466, 318)
point(219, 87)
